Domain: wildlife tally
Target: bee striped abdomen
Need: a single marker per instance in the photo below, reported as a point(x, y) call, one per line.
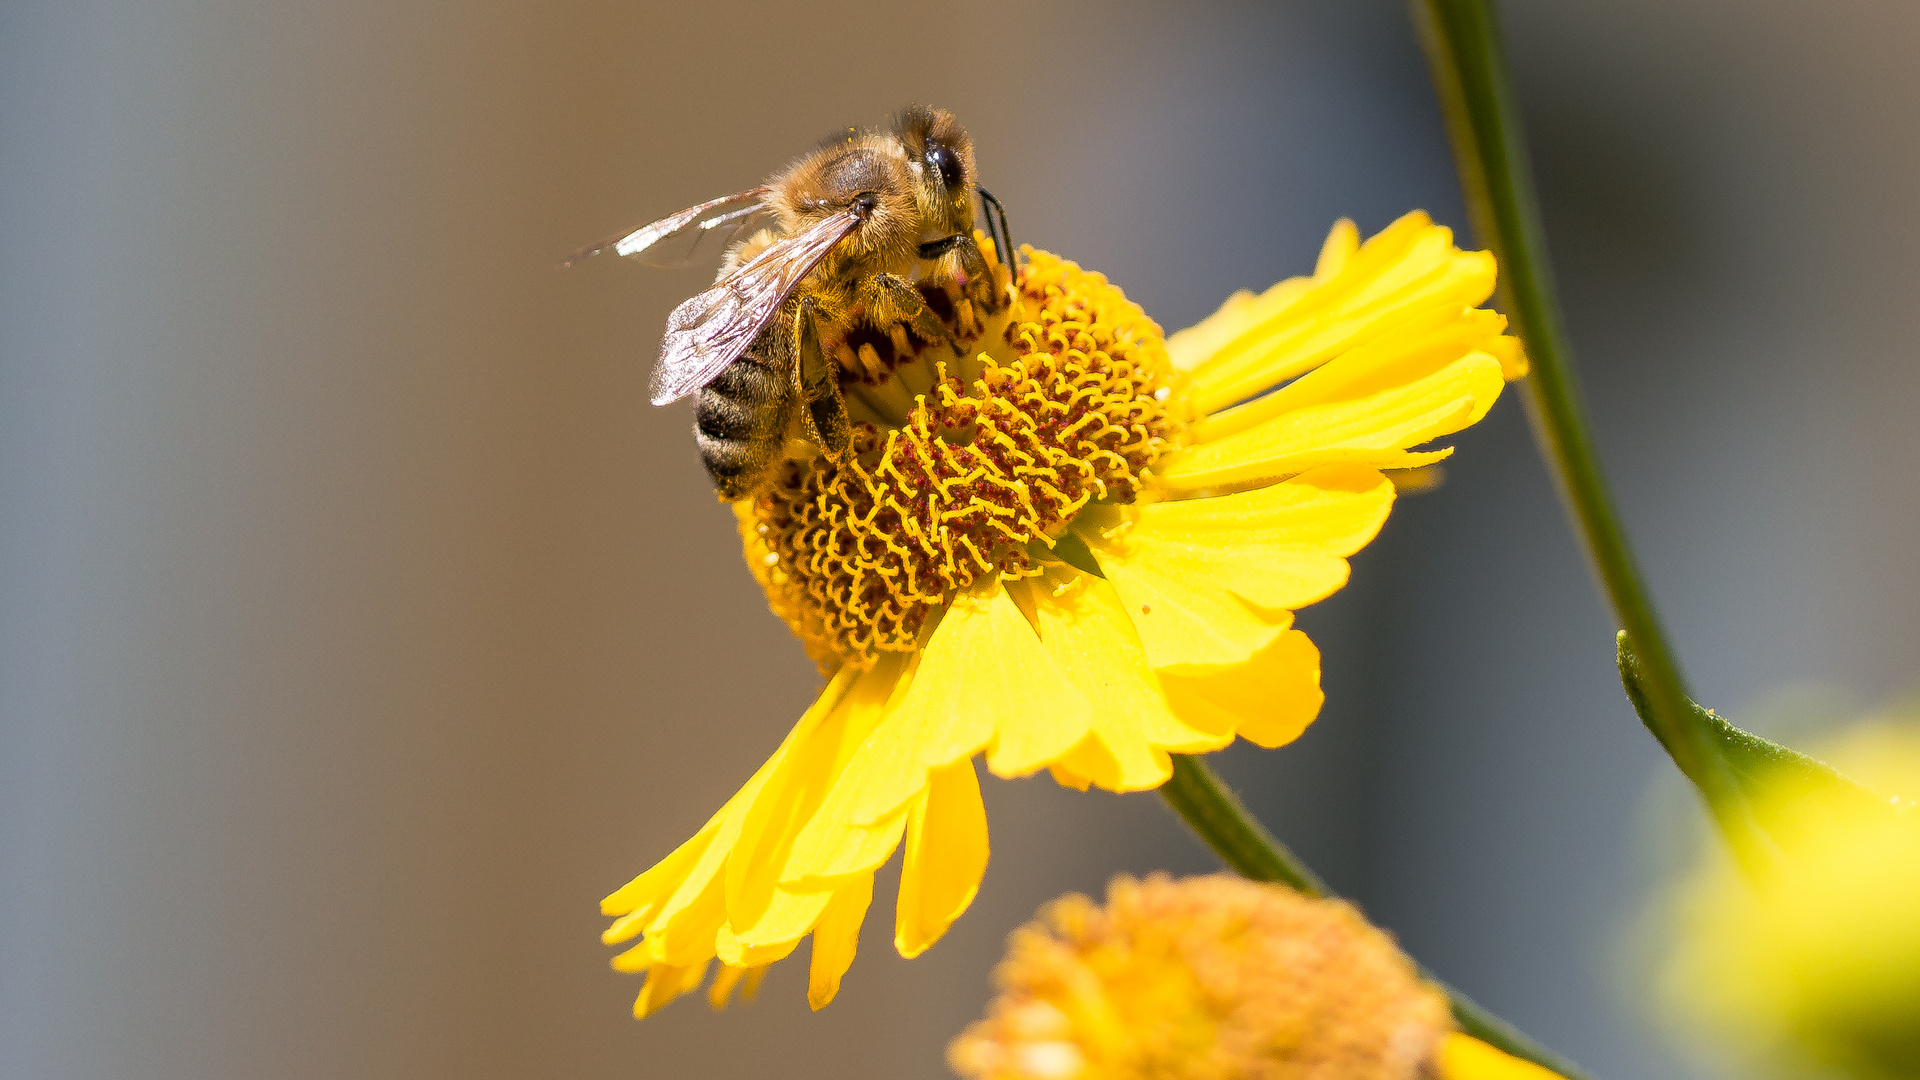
point(740, 419)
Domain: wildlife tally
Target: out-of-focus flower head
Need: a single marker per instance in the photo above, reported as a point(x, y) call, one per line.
point(1810, 958)
point(1215, 978)
point(1075, 546)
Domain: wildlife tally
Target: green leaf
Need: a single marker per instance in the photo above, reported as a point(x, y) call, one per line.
point(1758, 764)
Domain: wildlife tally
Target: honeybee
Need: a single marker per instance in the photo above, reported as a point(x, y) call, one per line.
point(871, 237)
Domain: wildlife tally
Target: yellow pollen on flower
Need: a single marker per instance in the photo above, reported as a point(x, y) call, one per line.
point(1068, 404)
point(1210, 977)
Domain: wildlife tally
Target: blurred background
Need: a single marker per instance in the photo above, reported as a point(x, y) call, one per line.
point(361, 625)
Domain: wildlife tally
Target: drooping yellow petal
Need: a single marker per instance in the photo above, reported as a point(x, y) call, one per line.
point(634, 960)
point(789, 915)
point(982, 671)
point(837, 938)
point(789, 799)
point(833, 846)
point(1209, 581)
point(681, 896)
point(1373, 431)
point(946, 857)
point(1269, 699)
point(1408, 269)
point(680, 928)
point(1085, 628)
point(639, 900)
point(724, 981)
point(664, 983)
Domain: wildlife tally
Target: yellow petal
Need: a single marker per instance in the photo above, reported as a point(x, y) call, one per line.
point(672, 882)
point(822, 744)
point(639, 900)
point(1209, 581)
point(680, 926)
point(1065, 776)
point(1410, 268)
point(1341, 244)
point(680, 904)
point(634, 960)
point(1184, 621)
point(664, 983)
point(1463, 1057)
point(1085, 628)
point(750, 986)
point(1374, 431)
point(946, 857)
point(788, 916)
point(1416, 349)
point(1244, 314)
point(723, 983)
point(1269, 699)
point(832, 846)
point(982, 671)
point(1512, 356)
point(837, 938)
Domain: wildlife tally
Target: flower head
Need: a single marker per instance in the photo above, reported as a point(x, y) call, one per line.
point(1816, 953)
point(1214, 978)
point(1076, 546)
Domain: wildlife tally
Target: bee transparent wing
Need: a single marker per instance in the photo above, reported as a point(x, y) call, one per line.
point(689, 226)
point(710, 331)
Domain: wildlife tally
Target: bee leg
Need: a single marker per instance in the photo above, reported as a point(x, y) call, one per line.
point(816, 384)
point(905, 304)
point(973, 263)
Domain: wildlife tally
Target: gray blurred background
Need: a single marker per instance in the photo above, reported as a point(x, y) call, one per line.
point(361, 625)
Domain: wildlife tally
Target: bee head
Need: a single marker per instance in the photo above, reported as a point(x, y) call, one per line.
point(908, 186)
point(939, 157)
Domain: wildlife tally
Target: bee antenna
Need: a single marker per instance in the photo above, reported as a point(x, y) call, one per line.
point(1012, 258)
point(993, 233)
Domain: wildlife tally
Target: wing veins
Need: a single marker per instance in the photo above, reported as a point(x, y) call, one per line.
point(635, 241)
point(711, 330)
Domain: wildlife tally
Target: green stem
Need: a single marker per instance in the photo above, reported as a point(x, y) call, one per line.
point(1217, 816)
point(1462, 41)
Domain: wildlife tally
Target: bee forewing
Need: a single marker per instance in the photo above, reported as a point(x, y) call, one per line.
point(711, 330)
point(648, 235)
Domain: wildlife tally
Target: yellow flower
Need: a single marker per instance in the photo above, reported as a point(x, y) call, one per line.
point(1077, 547)
point(1215, 978)
point(1816, 955)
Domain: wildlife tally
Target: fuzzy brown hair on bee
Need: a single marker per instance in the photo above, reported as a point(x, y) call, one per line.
point(866, 229)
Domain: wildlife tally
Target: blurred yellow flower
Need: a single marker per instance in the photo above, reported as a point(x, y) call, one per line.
point(1814, 957)
point(1215, 978)
point(1079, 548)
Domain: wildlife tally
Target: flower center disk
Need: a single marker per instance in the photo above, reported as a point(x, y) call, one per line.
point(1070, 405)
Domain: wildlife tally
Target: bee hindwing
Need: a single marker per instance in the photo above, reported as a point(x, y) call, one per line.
point(693, 219)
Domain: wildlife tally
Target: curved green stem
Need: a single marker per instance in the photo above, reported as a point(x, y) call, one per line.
point(1462, 40)
point(1217, 816)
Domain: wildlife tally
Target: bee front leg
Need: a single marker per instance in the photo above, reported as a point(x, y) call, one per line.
point(899, 301)
point(981, 287)
point(816, 383)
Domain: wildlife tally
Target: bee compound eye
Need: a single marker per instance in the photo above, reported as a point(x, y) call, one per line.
point(946, 164)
